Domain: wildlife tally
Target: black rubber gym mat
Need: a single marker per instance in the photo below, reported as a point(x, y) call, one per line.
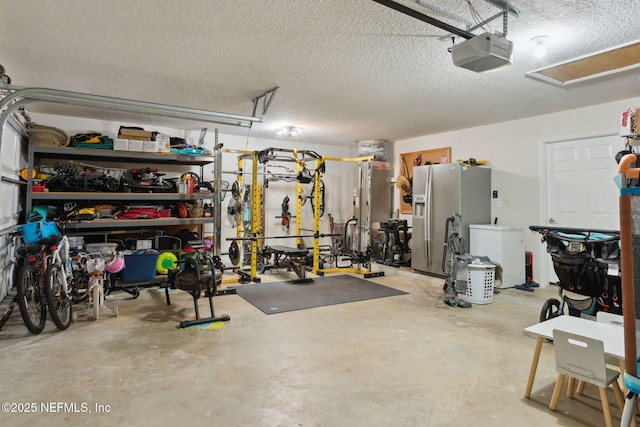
point(279, 297)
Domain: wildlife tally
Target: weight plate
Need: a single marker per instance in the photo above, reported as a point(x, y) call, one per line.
point(235, 189)
point(234, 253)
point(166, 261)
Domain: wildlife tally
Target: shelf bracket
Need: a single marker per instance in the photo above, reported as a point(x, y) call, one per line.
point(266, 97)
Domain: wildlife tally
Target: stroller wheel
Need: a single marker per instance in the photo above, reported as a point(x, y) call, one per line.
point(550, 309)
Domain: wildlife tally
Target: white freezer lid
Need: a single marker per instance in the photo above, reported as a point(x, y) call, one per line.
point(496, 227)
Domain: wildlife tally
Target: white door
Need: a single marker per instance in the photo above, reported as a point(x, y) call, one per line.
point(580, 190)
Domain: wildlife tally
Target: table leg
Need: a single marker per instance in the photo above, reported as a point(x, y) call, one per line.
point(623, 367)
point(534, 367)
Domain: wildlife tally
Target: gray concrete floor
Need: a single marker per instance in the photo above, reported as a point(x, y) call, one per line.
point(406, 360)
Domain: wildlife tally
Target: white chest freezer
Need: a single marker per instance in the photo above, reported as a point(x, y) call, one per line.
point(504, 245)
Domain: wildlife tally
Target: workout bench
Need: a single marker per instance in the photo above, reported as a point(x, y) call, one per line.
point(293, 258)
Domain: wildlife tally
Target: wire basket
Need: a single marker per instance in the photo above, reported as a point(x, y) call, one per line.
point(93, 263)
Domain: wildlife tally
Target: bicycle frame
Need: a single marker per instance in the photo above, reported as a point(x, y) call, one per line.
point(63, 260)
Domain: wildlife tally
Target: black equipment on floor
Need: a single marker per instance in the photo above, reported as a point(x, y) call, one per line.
point(290, 258)
point(198, 276)
point(395, 248)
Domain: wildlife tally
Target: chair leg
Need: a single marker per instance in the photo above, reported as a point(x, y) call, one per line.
point(580, 388)
point(606, 409)
point(556, 392)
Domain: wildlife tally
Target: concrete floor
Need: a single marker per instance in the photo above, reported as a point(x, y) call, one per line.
point(406, 360)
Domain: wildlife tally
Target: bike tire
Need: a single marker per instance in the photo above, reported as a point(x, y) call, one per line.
point(58, 301)
point(79, 287)
point(33, 308)
point(96, 302)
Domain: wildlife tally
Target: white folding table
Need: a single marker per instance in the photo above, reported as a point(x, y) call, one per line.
point(612, 336)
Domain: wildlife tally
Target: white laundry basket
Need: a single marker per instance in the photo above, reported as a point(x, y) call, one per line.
point(480, 283)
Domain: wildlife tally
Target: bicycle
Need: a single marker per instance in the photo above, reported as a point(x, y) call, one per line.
point(31, 283)
point(94, 265)
point(60, 284)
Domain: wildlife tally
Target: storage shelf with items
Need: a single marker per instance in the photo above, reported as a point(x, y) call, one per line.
point(37, 155)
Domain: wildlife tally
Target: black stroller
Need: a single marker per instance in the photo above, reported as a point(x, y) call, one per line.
point(587, 263)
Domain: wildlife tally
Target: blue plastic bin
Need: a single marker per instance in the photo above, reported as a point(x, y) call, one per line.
point(139, 267)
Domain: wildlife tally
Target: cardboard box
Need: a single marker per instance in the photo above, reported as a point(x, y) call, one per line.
point(164, 143)
point(150, 146)
point(135, 134)
point(121, 144)
point(135, 145)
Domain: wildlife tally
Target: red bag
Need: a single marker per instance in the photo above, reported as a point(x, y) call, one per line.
point(143, 212)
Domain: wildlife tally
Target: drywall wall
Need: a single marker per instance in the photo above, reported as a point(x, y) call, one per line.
point(515, 152)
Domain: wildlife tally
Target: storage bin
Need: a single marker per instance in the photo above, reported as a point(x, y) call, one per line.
point(101, 247)
point(139, 267)
point(76, 242)
point(480, 283)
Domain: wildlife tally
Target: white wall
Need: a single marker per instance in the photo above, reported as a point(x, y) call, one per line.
point(514, 151)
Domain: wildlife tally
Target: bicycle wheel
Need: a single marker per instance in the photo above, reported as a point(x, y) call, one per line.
point(32, 306)
point(58, 300)
point(79, 287)
point(95, 294)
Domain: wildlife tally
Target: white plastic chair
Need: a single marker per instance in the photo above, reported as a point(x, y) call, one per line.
point(610, 318)
point(583, 358)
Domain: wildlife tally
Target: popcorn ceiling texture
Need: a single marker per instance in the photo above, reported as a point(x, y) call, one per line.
point(347, 70)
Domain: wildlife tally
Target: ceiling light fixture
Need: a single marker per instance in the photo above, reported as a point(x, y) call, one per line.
point(289, 132)
point(540, 51)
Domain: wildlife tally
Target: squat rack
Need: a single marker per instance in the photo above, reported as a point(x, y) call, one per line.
point(255, 233)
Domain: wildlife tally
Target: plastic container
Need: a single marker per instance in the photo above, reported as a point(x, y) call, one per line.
point(139, 267)
point(101, 247)
point(480, 283)
point(76, 242)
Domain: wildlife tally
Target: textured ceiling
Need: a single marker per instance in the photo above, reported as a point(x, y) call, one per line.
point(346, 69)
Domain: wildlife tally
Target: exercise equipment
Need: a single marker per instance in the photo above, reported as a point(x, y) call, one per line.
point(198, 276)
point(358, 234)
point(290, 258)
point(286, 215)
point(234, 253)
point(166, 261)
point(394, 246)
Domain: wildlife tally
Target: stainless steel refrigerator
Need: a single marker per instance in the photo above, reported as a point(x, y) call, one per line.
point(439, 191)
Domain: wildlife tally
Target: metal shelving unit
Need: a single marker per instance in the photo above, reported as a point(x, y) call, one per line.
point(37, 153)
point(15, 98)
